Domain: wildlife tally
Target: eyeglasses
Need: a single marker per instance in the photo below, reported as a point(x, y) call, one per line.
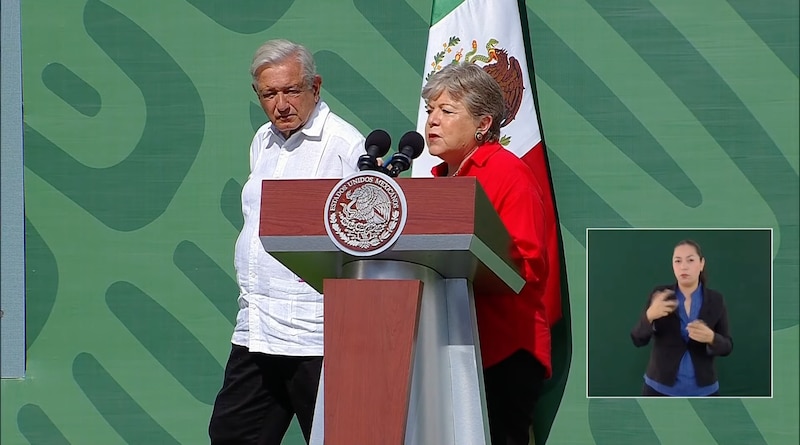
point(290, 92)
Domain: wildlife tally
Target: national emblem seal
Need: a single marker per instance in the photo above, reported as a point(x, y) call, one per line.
point(365, 213)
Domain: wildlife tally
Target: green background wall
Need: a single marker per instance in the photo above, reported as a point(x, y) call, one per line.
point(138, 115)
point(623, 268)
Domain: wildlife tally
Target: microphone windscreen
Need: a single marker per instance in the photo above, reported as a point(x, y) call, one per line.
point(413, 141)
point(378, 143)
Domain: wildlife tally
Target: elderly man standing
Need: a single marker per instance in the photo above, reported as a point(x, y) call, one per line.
point(275, 362)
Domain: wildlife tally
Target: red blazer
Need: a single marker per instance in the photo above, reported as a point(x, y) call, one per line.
point(507, 321)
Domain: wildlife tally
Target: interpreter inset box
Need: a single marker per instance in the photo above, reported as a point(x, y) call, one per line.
point(625, 266)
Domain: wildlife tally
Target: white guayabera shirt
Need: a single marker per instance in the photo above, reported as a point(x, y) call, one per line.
point(278, 312)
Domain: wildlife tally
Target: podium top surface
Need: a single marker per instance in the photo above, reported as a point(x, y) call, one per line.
point(451, 227)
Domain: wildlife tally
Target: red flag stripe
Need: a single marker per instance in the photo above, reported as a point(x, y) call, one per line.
point(535, 159)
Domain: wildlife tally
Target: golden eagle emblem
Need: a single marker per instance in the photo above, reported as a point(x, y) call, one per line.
point(365, 213)
point(504, 68)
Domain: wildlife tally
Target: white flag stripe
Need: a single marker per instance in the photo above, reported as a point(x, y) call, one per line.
point(481, 21)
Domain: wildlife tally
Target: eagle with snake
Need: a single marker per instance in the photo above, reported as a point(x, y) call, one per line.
point(506, 71)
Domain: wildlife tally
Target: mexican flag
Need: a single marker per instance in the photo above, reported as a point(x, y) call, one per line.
point(489, 33)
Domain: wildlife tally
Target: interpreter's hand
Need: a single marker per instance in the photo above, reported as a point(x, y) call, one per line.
point(662, 304)
point(699, 331)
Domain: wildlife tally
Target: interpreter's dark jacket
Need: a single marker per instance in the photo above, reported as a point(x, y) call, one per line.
point(669, 345)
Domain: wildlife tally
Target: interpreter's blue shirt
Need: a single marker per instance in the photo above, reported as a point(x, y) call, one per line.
point(685, 383)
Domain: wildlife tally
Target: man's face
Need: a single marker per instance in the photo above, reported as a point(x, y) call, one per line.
point(283, 95)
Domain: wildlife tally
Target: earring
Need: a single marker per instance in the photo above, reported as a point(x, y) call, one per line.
point(479, 136)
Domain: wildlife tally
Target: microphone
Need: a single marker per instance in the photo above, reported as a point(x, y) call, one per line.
point(377, 144)
point(409, 148)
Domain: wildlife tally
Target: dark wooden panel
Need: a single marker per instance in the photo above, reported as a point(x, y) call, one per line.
point(370, 329)
point(435, 206)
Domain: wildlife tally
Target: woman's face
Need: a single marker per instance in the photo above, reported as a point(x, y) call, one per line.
point(450, 129)
point(687, 265)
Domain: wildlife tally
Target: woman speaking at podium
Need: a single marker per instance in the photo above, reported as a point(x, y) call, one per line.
point(465, 107)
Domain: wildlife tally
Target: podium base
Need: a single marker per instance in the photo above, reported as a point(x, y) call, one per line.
point(446, 403)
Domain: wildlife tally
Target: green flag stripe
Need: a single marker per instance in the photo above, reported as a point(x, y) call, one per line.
point(443, 7)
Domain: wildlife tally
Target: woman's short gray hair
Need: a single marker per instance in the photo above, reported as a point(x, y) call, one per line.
point(278, 50)
point(475, 88)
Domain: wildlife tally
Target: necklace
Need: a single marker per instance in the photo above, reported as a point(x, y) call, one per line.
point(460, 166)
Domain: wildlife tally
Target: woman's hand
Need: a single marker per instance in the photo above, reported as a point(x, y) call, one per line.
point(661, 305)
point(699, 331)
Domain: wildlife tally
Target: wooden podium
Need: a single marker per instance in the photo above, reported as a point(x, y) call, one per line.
point(402, 358)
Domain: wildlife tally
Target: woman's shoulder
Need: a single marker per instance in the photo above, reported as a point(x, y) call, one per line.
point(514, 169)
point(498, 153)
point(712, 293)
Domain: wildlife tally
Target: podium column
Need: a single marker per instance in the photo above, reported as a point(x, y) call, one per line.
point(444, 401)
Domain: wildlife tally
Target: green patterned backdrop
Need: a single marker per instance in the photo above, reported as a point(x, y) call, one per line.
point(138, 116)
